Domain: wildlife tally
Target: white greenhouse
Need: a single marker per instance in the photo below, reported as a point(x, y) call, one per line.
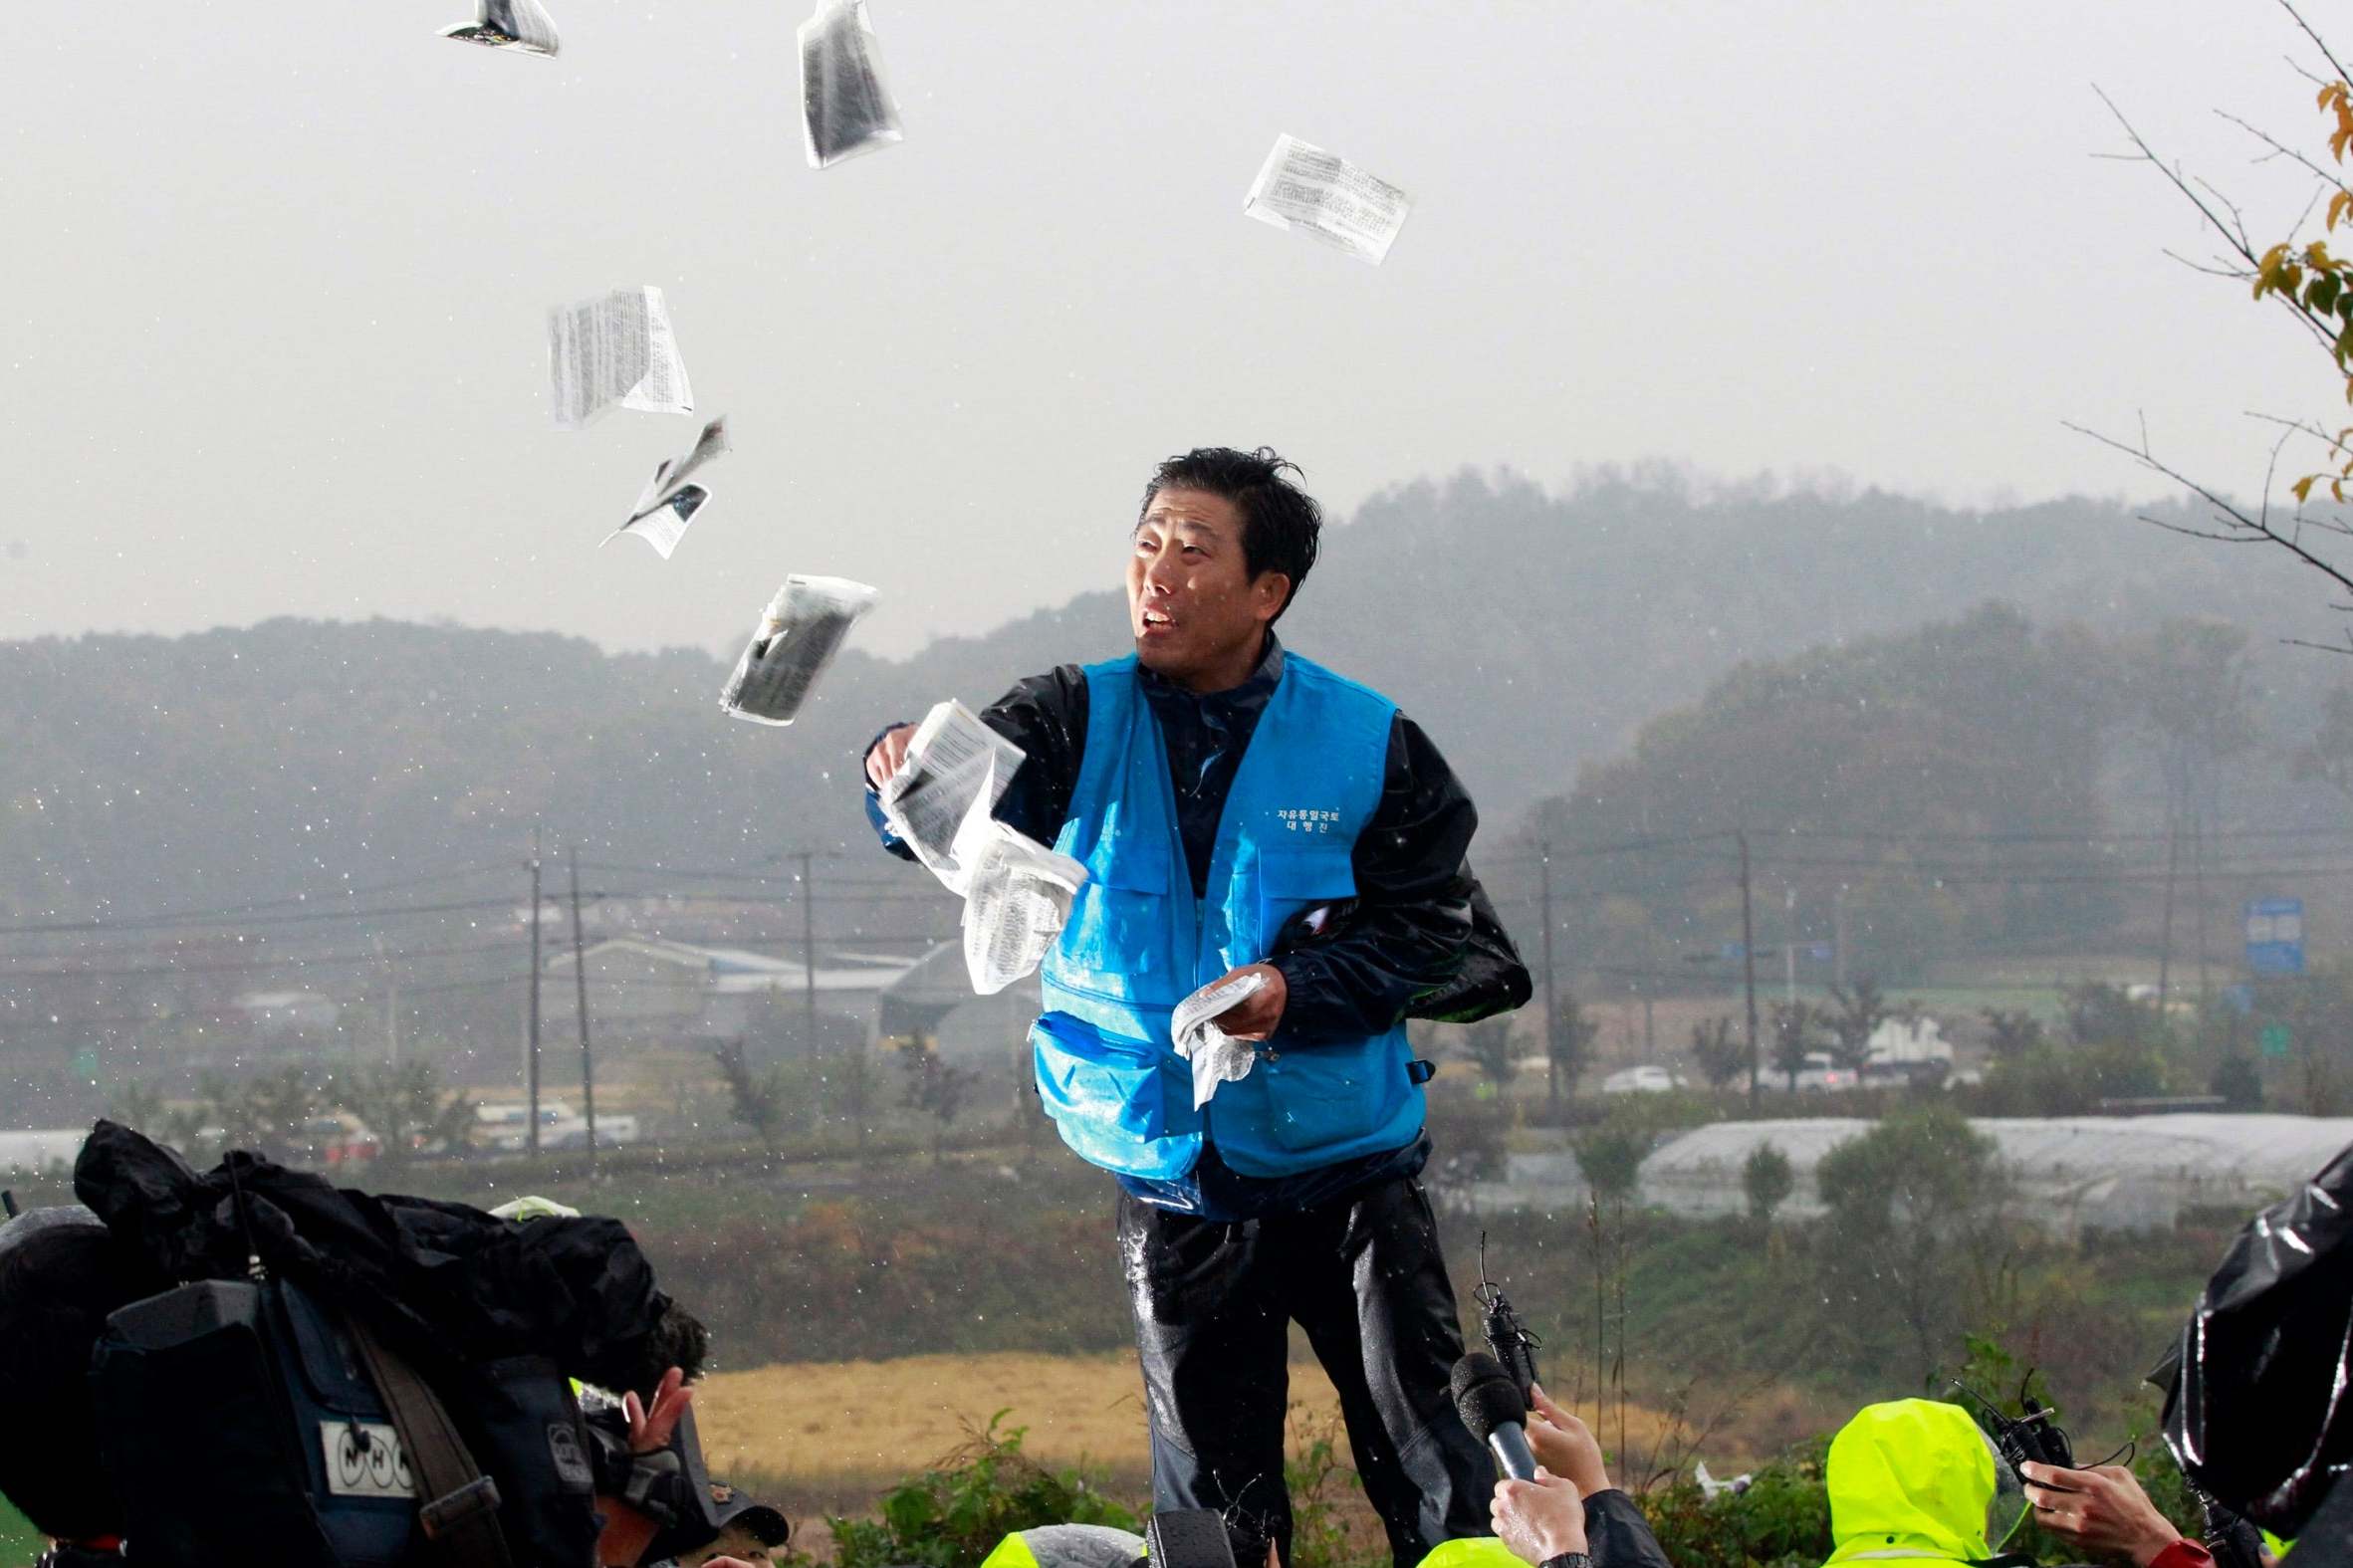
point(2069, 1173)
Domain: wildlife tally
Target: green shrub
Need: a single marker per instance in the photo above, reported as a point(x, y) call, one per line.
point(1611, 1155)
point(1312, 1473)
point(954, 1514)
point(1782, 1520)
point(1767, 1180)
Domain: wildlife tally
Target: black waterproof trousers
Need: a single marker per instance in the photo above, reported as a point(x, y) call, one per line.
point(1213, 1304)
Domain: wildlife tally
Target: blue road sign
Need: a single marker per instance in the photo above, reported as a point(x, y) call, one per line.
point(2275, 936)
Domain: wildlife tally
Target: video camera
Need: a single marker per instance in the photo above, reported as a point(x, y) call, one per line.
point(2036, 1437)
point(2032, 1437)
point(322, 1410)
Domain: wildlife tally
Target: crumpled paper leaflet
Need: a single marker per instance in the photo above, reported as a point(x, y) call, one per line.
point(1217, 1056)
point(1017, 899)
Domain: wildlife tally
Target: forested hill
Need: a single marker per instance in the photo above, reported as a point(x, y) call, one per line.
point(1529, 632)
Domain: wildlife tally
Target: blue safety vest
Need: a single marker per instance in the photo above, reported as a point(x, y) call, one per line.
point(1138, 941)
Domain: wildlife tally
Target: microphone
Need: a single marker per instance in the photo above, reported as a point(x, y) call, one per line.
point(1492, 1408)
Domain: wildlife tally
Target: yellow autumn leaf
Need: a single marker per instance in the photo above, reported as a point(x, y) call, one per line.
point(2317, 254)
point(2267, 270)
point(2336, 207)
point(2303, 488)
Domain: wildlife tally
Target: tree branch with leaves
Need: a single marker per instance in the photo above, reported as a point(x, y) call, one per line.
point(2314, 287)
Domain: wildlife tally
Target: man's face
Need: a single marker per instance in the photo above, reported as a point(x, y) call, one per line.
point(1192, 603)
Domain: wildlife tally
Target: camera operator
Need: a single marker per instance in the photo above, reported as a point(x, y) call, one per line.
point(1571, 1514)
point(62, 1272)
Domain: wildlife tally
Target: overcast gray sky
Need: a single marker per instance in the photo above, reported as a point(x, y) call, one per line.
point(276, 281)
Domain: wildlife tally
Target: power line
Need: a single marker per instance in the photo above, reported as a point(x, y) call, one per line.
point(308, 917)
point(200, 916)
point(71, 971)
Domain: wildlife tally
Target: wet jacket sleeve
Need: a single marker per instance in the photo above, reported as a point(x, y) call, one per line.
point(1618, 1536)
point(1046, 716)
point(1412, 919)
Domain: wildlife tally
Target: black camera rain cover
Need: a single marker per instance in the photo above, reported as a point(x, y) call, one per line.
point(2261, 1413)
point(442, 1282)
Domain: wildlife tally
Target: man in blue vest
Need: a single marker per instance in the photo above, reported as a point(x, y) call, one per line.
point(1242, 812)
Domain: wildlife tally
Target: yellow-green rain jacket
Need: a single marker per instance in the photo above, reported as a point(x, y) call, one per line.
point(1910, 1482)
point(1471, 1551)
point(1066, 1546)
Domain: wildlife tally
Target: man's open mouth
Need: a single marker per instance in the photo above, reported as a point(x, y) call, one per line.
point(1157, 618)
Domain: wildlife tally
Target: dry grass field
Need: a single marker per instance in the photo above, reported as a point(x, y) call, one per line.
point(818, 1437)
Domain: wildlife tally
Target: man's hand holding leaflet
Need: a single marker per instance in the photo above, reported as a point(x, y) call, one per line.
point(940, 803)
point(1217, 1058)
point(954, 766)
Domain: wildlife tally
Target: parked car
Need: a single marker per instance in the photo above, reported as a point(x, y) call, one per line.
point(339, 1138)
point(507, 1127)
point(1645, 1079)
point(1820, 1075)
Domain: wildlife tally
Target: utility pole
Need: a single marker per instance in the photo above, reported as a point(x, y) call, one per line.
point(808, 955)
point(2198, 881)
point(579, 980)
point(1748, 966)
point(1838, 938)
point(1789, 946)
point(391, 1002)
point(2173, 857)
point(1551, 1013)
point(532, 1059)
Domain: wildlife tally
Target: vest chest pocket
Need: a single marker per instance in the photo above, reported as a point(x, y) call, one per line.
point(1290, 880)
point(1121, 922)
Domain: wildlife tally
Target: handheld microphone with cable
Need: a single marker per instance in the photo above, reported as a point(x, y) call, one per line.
point(1492, 1408)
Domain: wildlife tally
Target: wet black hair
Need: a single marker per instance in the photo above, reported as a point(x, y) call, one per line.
point(1281, 526)
point(55, 1289)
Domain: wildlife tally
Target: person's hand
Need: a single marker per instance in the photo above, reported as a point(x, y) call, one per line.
point(650, 1429)
point(1564, 1446)
point(1255, 1017)
point(2102, 1510)
point(1539, 1519)
point(885, 754)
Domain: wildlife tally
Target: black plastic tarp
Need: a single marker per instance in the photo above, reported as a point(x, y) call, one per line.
point(2261, 1413)
point(443, 1281)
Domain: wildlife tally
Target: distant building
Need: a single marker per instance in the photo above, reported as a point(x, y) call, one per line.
point(42, 1151)
point(278, 1014)
point(1910, 1040)
point(652, 989)
point(988, 1035)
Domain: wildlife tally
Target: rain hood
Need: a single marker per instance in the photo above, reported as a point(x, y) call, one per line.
point(1909, 1480)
